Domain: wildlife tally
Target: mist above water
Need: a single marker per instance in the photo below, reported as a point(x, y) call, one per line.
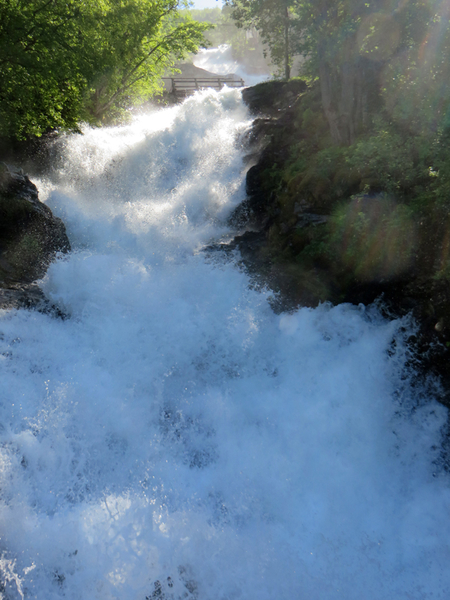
point(220, 60)
point(173, 437)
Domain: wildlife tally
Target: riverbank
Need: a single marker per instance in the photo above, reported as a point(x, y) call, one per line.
point(358, 224)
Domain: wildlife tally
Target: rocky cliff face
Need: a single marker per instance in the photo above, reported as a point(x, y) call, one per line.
point(30, 237)
point(284, 234)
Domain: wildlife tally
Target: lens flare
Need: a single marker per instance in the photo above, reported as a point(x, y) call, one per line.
point(415, 80)
point(374, 237)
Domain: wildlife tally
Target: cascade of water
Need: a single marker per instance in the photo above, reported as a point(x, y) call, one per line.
point(173, 438)
point(220, 60)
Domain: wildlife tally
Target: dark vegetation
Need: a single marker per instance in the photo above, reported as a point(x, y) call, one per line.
point(350, 199)
point(368, 213)
point(350, 223)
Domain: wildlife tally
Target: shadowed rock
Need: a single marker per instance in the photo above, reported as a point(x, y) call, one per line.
point(30, 237)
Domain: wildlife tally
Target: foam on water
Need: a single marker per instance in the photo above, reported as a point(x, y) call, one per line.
point(174, 438)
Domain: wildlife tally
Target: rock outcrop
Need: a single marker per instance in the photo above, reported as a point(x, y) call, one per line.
point(30, 237)
point(279, 236)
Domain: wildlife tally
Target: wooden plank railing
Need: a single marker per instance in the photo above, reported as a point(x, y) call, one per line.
point(185, 86)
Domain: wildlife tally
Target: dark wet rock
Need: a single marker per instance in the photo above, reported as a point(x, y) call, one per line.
point(28, 296)
point(268, 144)
point(22, 296)
point(30, 238)
point(305, 219)
point(272, 97)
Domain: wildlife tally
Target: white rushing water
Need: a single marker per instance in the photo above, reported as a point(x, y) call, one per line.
point(174, 438)
point(220, 60)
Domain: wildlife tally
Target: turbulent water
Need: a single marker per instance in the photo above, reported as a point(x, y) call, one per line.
point(174, 438)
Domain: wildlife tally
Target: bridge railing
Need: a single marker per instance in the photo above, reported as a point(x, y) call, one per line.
point(185, 86)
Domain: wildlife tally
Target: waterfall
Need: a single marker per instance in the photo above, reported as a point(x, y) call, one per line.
point(220, 60)
point(172, 437)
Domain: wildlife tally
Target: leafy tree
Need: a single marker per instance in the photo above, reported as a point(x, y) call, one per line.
point(367, 55)
point(138, 40)
point(41, 74)
point(277, 23)
point(62, 61)
point(350, 43)
point(415, 84)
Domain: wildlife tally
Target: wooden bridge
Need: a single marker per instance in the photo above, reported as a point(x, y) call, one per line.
point(186, 86)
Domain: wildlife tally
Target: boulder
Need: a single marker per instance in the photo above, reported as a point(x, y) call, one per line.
point(30, 237)
point(272, 97)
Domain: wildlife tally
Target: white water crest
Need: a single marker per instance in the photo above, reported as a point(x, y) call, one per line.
point(174, 438)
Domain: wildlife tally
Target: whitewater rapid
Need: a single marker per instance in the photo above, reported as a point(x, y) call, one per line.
point(174, 438)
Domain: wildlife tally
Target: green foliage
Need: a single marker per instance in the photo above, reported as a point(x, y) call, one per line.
point(40, 76)
point(434, 193)
point(364, 195)
point(388, 197)
point(384, 161)
point(66, 60)
point(207, 15)
point(368, 56)
point(317, 176)
point(140, 40)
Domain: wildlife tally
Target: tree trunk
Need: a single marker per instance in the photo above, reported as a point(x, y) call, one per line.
point(343, 94)
point(328, 100)
point(287, 67)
